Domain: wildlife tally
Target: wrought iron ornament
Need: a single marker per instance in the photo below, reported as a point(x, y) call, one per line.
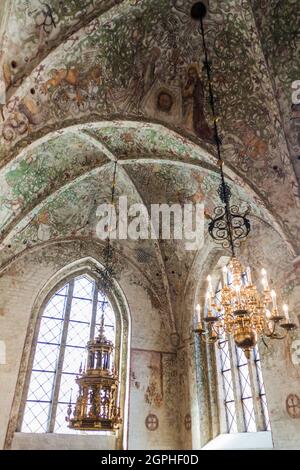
point(107, 273)
point(219, 230)
point(228, 226)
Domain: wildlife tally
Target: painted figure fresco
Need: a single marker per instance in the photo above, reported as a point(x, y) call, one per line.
point(129, 98)
point(193, 105)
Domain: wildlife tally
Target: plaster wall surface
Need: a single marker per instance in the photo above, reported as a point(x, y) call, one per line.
point(62, 442)
point(238, 441)
point(152, 369)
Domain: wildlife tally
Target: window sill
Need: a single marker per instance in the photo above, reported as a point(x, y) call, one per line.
point(49, 441)
point(240, 441)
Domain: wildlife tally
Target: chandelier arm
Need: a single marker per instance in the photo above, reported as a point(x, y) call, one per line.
point(206, 335)
point(271, 332)
point(275, 335)
point(209, 339)
point(264, 341)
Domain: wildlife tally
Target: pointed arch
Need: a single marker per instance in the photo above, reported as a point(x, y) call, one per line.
point(88, 267)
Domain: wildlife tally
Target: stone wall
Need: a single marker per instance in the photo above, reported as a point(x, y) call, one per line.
point(153, 374)
point(47, 441)
point(172, 401)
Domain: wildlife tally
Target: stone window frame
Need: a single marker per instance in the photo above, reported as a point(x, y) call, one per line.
point(258, 394)
point(62, 345)
point(116, 297)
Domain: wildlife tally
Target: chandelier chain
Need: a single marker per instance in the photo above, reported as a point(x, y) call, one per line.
point(224, 187)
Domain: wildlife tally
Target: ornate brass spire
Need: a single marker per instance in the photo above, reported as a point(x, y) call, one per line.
point(96, 405)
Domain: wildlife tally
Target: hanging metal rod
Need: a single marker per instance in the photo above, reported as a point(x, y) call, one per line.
point(229, 225)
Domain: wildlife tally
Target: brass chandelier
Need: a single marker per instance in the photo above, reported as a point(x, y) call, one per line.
point(242, 310)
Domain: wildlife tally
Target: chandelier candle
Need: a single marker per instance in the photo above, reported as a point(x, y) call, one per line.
point(208, 300)
point(209, 288)
point(225, 274)
point(248, 274)
point(198, 313)
point(274, 302)
point(198, 317)
point(264, 280)
point(268, 313)
point(285, 309)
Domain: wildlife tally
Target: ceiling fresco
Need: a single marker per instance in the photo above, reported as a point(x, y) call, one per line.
point(55, 162)
point(279, 27)
point(89, 82)
point(42, 171)
point(142, 60)
point(66, 209)
point(35, 27)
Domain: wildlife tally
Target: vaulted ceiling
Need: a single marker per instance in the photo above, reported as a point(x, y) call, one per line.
point(88, 82)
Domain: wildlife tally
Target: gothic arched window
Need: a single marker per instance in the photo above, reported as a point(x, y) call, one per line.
point(70, 319)
point(241, 389)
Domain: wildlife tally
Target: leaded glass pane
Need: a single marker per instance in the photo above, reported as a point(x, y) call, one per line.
point(74, 356)
point(83, 288)
point(241, 358)
point(225, 356)
point(228, 391)
point(55, 307)
point(61, 426)
point(218, 298)
point(246, 390)
point(231, 417)
point(260, 378)
point(63, 290)
point(249, 415)
point(50, 330)
point(36, 417)
point(106, 309)
point(81, 310)
point(67, 387)
point(78, 334)
point(262, 393)
point(41, 386)
point(228, 386)
point(46, 356)
point(266, 412)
